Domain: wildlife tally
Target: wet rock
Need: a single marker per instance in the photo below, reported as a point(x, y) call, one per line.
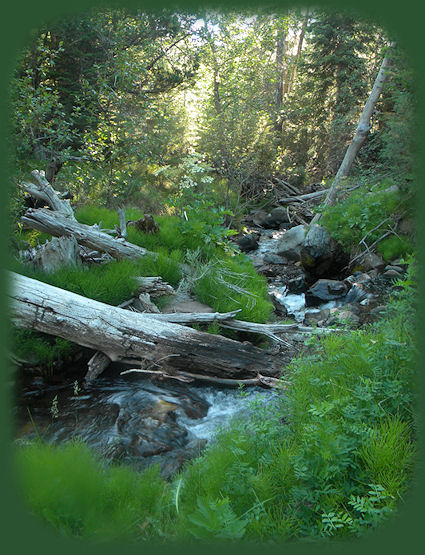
point(291, 243)
point(316, 317)
point(321, 255)
point(247, 242)
point(269, 270)
point(338, 315)
point(325, 290)
point(394, 268)
point(272, 258)
point(370, 261)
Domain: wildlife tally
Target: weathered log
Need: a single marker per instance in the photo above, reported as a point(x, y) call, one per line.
point(58, 225)
point(143, 303)
point(301, 198)
point(123, 223)
point(42, 190)
point(96, 365)
point(155, 286)
point(130, 337)
point(360, 136)
point(55, 254)
point(189, 377)
point(226, 320)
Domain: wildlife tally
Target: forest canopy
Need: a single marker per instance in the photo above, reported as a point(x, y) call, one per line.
point(122, 107)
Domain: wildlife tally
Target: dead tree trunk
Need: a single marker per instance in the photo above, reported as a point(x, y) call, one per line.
point(131, 337)
point(55, 223)
point(360, 136)
point(42, 190)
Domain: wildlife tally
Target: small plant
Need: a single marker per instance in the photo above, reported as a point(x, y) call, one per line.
point(54, 410)
point(215, 520)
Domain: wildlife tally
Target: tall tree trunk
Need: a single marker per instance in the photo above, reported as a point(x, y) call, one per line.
point(360, 136)
point(289, 82)
point(280, 69)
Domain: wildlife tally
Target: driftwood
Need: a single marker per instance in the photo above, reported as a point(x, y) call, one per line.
point(42, 190)
point(155, 286)
point(56, 224)
point(189, 377)
point(226, 320)
point(303, 198)
point(131, 337)
point(55, 254)
point(96, 365)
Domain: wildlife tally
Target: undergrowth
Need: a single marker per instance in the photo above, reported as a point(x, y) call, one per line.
point(332, 456)
point(366, 215)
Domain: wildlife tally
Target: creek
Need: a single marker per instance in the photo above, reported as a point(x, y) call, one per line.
point(135, 420)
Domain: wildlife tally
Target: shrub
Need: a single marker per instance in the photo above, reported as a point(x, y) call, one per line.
point(394, 247)
point(350, 220)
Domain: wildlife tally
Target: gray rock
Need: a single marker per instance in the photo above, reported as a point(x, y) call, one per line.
point(315, 316)
point(272, 258)
point(392, 274)
point(279, 215)
point(370, 261)
point(320, 254)
point(248, 242)
point(291, 243)
point(259, 217)
point(338, 314)
point(325, 290)
point(394, 268)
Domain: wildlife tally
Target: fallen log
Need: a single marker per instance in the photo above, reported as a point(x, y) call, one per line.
point(58, 225)
point(131, 337)
point(42, 190)
point(189, 377)
point(227, 321)
point(155, 286)
point(302, 198)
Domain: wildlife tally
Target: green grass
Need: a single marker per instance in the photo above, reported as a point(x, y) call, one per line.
point(234, 284)
point(39, 348)
point(75, 493)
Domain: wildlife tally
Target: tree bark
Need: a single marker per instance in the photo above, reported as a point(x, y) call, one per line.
point(131, 337)
point(360, 136)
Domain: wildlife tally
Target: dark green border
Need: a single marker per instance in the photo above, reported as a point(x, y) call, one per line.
point(20, 532)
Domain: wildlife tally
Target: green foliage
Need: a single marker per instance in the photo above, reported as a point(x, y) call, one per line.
point(69, 488)
point(328, 470)
point(387, 452)
point(39, 348)
point(111, 283)
point(394, 247)
point(352, 219)
point(215, 520)
point(329, 458)
point(234, 284)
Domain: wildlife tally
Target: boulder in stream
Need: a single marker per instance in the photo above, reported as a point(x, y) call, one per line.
point(321, 255)
point(291, 243)
point(326, 290)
